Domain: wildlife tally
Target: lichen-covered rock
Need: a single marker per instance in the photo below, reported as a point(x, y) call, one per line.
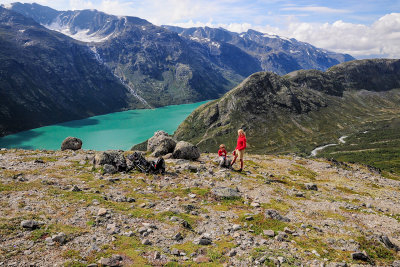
point(30, 224)
point(112, 157)
point(186, 150)
point(109, 169)
point(273, 214)
point(311, 186)
point(225, 192)
point(161, 144)
point(71, 143)
point(113, 261)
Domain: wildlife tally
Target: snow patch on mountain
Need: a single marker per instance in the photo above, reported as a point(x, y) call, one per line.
point(79, 34)
point(7, 5)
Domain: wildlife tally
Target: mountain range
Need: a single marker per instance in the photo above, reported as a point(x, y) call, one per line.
point(53, 55)
point(301, 110)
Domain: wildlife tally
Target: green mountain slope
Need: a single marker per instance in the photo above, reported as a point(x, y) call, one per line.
point(299, 111)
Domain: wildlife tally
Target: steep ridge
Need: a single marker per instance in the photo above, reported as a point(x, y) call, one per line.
point(47, 77)
point(166, 68)
point(301, 110)
point(273, 53)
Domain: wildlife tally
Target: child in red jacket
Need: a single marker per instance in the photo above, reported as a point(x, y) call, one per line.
point(240, 147)
point(222, 155)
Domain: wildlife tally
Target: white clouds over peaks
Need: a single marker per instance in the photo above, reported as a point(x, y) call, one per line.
point(380, 38)
point(349, 27)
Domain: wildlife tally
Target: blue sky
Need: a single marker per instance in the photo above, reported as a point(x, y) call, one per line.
point(363, 28)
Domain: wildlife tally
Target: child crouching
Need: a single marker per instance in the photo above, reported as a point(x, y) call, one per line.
point(223, 160)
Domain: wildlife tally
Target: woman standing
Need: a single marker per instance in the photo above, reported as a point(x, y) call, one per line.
point(239, 150)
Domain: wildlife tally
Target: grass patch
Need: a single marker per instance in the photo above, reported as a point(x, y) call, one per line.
point(142, 213)
point(188, 247)
point(260, 223)
point(324, 250)
point(346, 190)
point(302, 171)
point(228, 204)
point(191, 219)
point(132, 248)
point(277, 205)
point(71, 254)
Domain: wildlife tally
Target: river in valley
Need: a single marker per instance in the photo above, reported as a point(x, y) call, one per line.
point(118, 130)
point(316, 150)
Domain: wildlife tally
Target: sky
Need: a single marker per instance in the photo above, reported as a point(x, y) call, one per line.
point(361, 28)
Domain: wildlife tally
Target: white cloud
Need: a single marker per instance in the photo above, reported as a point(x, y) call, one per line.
point(380, 38)
point(318, 9)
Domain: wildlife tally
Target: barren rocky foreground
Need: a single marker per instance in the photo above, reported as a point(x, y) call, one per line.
point(58, 209)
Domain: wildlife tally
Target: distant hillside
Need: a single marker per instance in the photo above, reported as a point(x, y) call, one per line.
point(165, 67)
point(47, 77)
point(301, 110)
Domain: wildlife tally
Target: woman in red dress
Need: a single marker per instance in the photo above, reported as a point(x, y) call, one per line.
point(240, 147)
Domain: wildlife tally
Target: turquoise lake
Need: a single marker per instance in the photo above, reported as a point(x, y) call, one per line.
point(120, 130)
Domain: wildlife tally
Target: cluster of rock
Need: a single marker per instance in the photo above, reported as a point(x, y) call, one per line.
point(161, 144)
point(112, 161)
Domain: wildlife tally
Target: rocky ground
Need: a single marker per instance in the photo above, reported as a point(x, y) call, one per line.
point(58, 209)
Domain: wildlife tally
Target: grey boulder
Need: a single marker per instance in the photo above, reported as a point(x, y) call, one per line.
point(109, 169)
point(161, 144)
point(225, 192)
point(186, 150)
point(30, 224)
point(71, 143)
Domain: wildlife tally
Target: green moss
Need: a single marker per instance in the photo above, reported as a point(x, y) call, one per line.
point(376, 251)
